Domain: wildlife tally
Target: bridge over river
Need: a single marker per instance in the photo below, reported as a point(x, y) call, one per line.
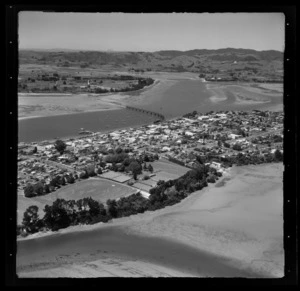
point(159, 115)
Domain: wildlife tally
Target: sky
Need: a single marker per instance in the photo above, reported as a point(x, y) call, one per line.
point(150, 32)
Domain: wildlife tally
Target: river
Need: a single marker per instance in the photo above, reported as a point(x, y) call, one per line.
point(182, 97)
point(64, 126)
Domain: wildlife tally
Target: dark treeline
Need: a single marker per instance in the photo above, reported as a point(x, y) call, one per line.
point(242, 159)
point(142, 82)
point(63, 213)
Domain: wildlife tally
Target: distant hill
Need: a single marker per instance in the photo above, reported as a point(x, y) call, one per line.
point(226, 60)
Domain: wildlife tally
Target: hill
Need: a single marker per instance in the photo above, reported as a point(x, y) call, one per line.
point(228, 61)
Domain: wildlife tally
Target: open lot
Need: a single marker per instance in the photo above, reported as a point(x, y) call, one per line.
point(96, 188)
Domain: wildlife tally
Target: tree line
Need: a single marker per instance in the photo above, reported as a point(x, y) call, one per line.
point(63, 213)
point(142, 82)
point(241, 159)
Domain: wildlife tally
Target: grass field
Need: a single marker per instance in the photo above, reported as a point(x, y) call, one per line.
point(163, 165)
point(97, 188)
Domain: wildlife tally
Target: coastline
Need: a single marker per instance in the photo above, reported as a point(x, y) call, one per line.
point(210, 233)
point(71, 113)
point(105, 102)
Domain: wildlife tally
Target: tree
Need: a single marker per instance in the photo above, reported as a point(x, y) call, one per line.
point(54, 181)
point(160, 182)
point(63, 181)
point(71, 179)
point(47, 189)
point(135, 168)
point(83, 175)
point(31, 220)
point(237, 147)
point(150, 168)
point(112, 208)
point(59, 215)
point(60, 146)
point(145, 167)
point(89, 210)
point(119, 150)
point(114, 167)
point(278, 155)
point(90, 170)
point(146, 158)
point(29, 191)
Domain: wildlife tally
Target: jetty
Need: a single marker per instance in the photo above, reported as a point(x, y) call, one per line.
point(159, 115)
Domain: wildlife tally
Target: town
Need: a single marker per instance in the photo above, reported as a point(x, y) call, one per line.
point(217, 139)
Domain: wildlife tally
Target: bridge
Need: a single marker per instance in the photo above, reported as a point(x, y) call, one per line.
point(159, 115)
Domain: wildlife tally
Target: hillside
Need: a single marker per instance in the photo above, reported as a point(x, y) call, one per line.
point(240, 63)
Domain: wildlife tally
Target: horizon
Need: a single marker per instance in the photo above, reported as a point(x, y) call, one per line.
point(128, 51)
point(146, 32)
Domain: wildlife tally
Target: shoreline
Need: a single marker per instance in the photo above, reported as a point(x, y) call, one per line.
point(62, 114)
point(200, 236)
point(51, 94)
point(113, 100)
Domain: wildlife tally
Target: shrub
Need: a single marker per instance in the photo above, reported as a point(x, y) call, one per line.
point(29, 191)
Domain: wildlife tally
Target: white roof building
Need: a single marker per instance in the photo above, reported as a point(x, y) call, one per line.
point(233, 136)
point(188, 133)
point(165, 149)
point(203, 117)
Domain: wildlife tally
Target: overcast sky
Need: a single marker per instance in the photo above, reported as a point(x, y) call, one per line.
point(151, 32)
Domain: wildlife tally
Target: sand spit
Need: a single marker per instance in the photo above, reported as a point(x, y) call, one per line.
point(234, 230)
point(50, 104)
point(31, 107)
point(245, 94)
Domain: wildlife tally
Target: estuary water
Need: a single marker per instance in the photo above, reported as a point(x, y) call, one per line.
point(188, 95)
point(182, 97)
point(64, 126)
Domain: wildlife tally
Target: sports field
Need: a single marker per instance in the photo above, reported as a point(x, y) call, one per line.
point(96, 188)
point(166, 166)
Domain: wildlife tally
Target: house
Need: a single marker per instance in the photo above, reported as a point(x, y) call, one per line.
point(188, 133)
point(234, 136)
point(215, 165)
point(203, 117)
point(165, 149)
